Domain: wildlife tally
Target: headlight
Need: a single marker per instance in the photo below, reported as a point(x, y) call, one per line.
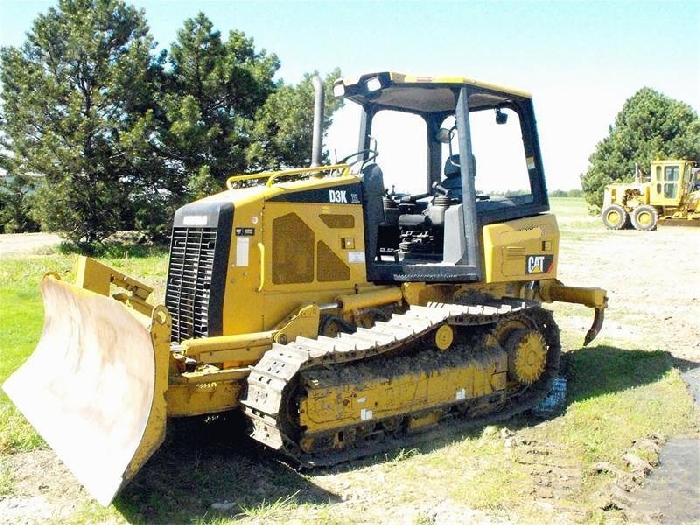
point(373, 84)
point(339, 90)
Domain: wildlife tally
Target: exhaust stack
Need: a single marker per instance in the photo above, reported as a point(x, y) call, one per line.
point(317, 143)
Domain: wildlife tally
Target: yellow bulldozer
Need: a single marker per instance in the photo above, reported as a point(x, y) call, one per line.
point(338, 317)
point(670, 193)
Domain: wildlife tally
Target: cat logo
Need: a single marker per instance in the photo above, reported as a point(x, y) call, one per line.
point(337, 197)
point(539, 263)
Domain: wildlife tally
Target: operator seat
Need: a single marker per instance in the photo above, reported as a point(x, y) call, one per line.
point(453, 177)
point(373, 207)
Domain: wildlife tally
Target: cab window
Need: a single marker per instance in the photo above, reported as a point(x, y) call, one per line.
point(499, 156)
point(671, 174)
point(401, 144)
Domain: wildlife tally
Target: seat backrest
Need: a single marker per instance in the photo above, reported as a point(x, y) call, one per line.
point(452, 167)
point(453, 176)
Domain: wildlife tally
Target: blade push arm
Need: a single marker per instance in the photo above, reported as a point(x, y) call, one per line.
point(97, 277)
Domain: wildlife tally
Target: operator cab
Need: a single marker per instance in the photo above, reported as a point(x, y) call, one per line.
point(440, 158)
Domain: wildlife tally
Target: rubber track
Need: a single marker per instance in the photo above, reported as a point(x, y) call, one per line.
point(270, 378)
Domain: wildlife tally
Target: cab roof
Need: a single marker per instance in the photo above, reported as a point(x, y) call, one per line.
point(422, 94)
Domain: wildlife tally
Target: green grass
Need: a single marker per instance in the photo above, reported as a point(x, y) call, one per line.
point(270, 510)
point(575, 222)
point(6, 478)
point(569, 206)
point(635, 390)
point(20, 328)
point(20, 302)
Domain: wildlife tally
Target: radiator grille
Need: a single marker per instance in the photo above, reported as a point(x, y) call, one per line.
point(189, 281)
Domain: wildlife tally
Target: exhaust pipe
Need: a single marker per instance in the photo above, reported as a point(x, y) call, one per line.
point(317, 143)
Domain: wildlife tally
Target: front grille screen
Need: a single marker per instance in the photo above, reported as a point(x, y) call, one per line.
point(189, 281)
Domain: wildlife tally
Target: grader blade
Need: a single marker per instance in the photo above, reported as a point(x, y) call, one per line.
point(94, 388)
point(693, 221)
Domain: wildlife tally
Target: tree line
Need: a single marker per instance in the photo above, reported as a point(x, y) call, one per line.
point(99, 133)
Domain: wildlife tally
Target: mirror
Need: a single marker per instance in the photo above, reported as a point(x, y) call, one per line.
point(443, 136)
point(501, 118)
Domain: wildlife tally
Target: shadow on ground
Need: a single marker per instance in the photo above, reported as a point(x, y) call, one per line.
point(595, 371)
point(209, 462)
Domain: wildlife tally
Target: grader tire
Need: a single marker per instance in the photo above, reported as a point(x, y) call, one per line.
point(645, 218)
point(615, 217)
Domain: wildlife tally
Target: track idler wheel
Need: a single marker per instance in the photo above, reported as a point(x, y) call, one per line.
point(527, 356)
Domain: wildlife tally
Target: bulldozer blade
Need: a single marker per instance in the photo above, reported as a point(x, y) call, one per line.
point(94, 388)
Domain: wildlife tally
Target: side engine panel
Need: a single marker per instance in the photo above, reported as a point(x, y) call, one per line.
point(521, 250)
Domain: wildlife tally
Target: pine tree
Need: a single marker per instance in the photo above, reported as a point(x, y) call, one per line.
point(76, 95)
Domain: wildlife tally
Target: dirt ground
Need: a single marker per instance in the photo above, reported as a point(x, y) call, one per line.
point(653, 283)
point(654, 290)
point(23, 243)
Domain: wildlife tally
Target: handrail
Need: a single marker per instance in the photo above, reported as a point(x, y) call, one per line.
point(261, 248)
point(273, 176)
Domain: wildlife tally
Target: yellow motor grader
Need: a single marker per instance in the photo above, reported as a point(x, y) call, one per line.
point(338, 316)
point(669, 194)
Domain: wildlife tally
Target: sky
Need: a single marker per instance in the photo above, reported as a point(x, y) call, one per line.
point(581, 60)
